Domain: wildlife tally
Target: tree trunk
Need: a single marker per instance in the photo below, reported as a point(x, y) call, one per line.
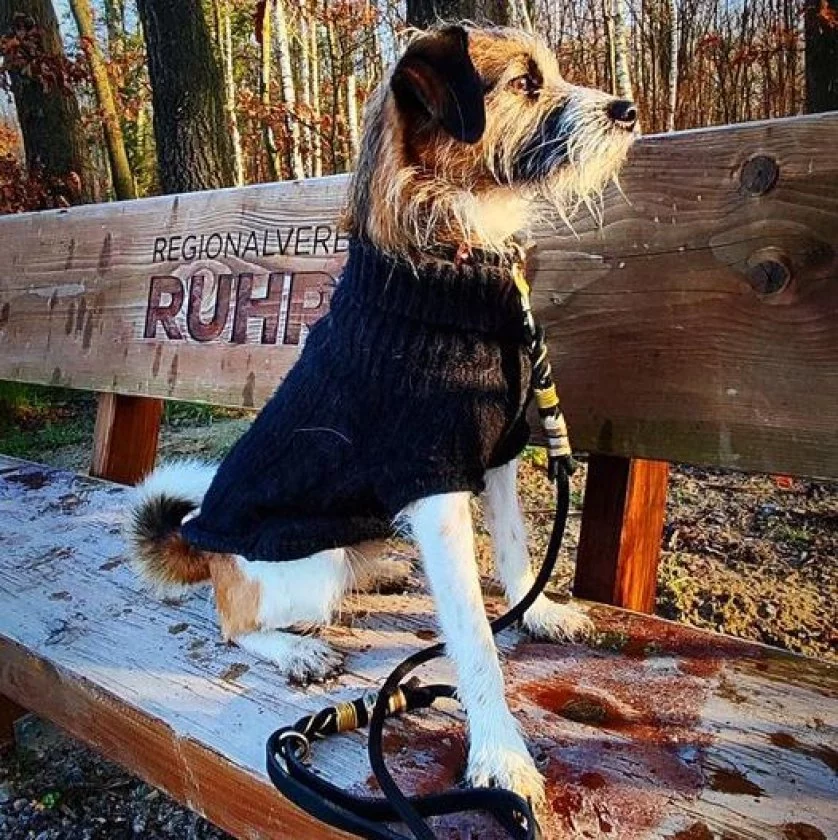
point(674, 42)
point(115, 24)
point(424, 13)
point(610, 45)
point(821, 55)
point(226, 44)
point(623, 78)
point(295, 158)
point(266, 43)
point(526, 17)
point(316, 135)
point(49, 118)
point(121, 177)
point(352, 115)
point(194, 147)
point(305, 90)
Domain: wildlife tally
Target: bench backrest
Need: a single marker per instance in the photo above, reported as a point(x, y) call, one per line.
point(699, 323)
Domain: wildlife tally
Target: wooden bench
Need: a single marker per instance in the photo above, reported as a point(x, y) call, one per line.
point(699, 324)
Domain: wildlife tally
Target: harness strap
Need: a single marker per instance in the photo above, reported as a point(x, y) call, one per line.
point(288, 748)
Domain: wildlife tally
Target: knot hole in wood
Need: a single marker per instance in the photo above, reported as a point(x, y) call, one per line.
point(759, 175)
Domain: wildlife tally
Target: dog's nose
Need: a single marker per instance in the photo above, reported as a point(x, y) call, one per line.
point(624, 113)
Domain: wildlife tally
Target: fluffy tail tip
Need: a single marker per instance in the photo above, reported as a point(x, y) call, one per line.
point(162, 555)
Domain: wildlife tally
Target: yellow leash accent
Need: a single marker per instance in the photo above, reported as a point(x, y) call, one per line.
point(544, 389)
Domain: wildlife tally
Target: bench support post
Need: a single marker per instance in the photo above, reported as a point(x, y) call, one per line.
point(9, 713)
point(622, 523)
point(125, 438)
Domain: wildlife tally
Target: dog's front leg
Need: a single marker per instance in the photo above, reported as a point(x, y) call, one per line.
point(497, 754)
point(544, 619)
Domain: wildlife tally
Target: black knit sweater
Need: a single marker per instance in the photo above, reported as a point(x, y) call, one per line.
point(415, 383)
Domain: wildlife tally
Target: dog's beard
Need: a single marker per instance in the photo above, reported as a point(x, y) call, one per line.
point(594, 151)
point(574, 154)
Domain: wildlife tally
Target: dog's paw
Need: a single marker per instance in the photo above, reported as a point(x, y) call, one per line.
point(313, 660)
point(553, 622)
point(507, 766)
point(302, 659)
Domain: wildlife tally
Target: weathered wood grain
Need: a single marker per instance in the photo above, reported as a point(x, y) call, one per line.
point(667, 338)
point(620, 535)
point(656, 729)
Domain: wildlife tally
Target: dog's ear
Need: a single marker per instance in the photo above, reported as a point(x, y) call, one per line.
point(437, 77)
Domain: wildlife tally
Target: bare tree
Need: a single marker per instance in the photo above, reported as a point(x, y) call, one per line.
point(47, 109)
point(121, 177)
point(674, 44)
point(622, 78)
point(265, 35)
point(352, 121)
point(194, 147)
point(224, 33)
point(821, 55)
point(307, 129)
point(316, 138)
point(424, 13)
point(289, 97)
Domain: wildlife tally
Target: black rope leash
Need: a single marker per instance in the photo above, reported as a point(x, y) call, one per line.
point(289, 748)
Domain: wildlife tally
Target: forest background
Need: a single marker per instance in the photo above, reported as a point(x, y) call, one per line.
point(122, 98)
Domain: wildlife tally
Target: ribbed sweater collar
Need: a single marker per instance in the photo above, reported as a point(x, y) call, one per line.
point(475, 296)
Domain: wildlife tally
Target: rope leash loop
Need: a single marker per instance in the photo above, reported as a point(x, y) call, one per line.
point(289, 748)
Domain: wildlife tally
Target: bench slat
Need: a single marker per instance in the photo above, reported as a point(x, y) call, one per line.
point(666, 343)
point(656, 729)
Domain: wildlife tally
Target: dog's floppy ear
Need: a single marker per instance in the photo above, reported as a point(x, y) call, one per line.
point(436, 76)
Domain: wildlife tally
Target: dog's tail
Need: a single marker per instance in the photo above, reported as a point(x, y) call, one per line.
point(161, 554)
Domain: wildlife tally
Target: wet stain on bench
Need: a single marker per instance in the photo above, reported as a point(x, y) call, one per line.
point(616, 744)
point(424, 762)
point(71, 317)
point(802, 831)
point(735, 782)
point(111, 564)
point(33, 480)
point(236, 670)
point(824, 753)
point(697, 831)
point(249, 390)
point(106, 253)
point(171, 379)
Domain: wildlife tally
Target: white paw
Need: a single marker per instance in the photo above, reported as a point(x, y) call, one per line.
point(302, 659)
point(556, 622)
point(312, 660)
point(507, 766)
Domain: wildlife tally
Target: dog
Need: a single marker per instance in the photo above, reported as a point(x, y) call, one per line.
point(410, 395)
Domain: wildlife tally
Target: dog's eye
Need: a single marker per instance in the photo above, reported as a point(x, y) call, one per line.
point(525, 84)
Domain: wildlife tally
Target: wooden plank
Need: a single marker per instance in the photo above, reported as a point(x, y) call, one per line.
point(9, 713)
point(667, 341)
point(125, 437)
point(622, 523)
point(655, 729)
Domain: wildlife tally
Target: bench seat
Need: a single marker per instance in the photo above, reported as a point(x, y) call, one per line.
point(656, 730)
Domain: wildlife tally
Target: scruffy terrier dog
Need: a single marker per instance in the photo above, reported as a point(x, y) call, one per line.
point(410, 395)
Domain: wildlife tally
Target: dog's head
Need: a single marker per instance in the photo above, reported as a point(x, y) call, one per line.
point(472, 128)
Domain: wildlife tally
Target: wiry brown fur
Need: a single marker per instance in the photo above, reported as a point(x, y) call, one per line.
point(416, 186)
point(160, 551)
